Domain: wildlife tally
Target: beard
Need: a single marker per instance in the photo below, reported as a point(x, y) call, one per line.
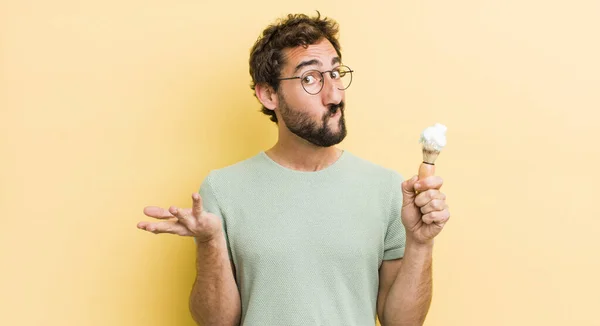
point(318, 133)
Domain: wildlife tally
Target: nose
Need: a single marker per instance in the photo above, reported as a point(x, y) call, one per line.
point(330, 93)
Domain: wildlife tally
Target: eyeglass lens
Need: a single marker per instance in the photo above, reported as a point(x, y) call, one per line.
point(313, 81)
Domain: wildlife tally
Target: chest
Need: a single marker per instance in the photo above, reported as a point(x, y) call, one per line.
point(333, 230)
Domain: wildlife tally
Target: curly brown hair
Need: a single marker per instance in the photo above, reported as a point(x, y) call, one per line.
point(266, 56)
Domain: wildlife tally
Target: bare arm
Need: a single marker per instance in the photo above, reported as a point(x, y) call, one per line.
point(405, 287)
point(215, 299)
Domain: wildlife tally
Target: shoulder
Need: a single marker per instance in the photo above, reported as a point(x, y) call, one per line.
point(372, 170)
point(236, 171)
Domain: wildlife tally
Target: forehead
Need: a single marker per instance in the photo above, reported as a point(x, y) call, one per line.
point(323, 51)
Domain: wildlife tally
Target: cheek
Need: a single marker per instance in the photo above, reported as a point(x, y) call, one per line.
point(299, 100)
point(293, 90)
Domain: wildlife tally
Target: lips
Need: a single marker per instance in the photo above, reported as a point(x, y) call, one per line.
point(333, 109)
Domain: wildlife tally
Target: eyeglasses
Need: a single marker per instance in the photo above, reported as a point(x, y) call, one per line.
point(313, 80)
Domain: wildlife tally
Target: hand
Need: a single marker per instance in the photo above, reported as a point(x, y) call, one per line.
point(423, 214)
point(183, 221)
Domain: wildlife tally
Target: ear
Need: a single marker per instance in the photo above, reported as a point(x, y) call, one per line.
point(266, 95)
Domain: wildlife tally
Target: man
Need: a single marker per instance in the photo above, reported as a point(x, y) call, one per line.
point(305, 233)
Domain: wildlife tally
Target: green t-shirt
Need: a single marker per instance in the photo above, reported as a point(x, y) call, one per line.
point(307, 246)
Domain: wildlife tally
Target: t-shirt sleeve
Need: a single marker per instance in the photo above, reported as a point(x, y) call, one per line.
point(211, 204)
point(395, 237)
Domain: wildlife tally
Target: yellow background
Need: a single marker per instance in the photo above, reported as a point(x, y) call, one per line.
point(108, 106)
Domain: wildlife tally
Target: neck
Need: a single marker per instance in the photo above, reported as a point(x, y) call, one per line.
point(296, 153)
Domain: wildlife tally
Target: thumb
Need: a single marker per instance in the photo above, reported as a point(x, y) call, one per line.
point(408, 190)
point(197, 205)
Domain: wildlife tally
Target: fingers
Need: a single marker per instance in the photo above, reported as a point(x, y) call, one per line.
point(408, 191)
point(425, 197)
point(433, 182)
point(435, 204)
point(184, 216)
point(408, 186)
point(438, 217)
point(184, 219)
point(165, 227)
point(157, 212)
point(197, 205)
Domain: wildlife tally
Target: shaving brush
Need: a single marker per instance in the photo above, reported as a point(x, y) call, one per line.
point(433, 140)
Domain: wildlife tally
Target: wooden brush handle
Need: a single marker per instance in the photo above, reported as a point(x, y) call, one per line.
point(426, 170)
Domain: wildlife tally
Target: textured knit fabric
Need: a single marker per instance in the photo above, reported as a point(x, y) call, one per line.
point(307, 246)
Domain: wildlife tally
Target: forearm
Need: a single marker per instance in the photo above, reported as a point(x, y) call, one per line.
point(409, 298)
point(215, 300)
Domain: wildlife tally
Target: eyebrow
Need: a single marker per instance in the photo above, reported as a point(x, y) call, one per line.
point(315, 62)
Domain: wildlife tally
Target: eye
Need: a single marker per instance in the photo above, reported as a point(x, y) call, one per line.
point(336, 74)
point(310, 78)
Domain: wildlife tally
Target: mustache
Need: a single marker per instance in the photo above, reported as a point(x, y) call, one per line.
point(334, 107)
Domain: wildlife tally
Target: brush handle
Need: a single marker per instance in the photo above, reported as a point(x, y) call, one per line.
point(426, 170)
